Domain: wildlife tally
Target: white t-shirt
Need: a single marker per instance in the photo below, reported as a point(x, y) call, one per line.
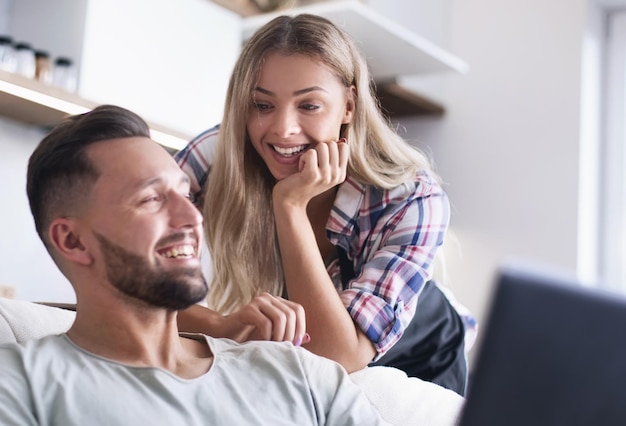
point(52, 381)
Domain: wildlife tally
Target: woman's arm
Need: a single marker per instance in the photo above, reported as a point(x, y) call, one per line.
point(265, 318)
point(333, 332)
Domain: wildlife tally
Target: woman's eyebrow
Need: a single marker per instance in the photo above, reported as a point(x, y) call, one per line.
point(296, 93)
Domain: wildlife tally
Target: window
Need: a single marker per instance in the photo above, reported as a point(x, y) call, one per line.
point(612, 259)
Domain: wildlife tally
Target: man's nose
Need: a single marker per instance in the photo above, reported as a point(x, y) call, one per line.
point(183, 212)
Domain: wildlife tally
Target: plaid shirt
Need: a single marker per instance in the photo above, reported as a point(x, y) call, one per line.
point(391, 236)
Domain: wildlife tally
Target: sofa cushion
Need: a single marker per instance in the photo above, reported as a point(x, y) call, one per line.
point(21, 320)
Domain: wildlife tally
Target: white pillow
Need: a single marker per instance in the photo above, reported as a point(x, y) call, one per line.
point(21, 320)
point(404, 401)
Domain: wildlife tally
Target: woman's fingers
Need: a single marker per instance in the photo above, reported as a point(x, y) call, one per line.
point(344, 154)
point(274, 318)
point(297, 326)
point(320, 168)
point(331, 159)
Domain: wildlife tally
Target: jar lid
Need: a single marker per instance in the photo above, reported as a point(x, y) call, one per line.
point(41, 54)
point(62, 60)
point(23, 46)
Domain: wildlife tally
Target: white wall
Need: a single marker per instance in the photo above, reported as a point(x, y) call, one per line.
point(169, 61)
point(56, 27)
point(519, 134)
point(5, 11)
point(508, 146)
point(25, 265)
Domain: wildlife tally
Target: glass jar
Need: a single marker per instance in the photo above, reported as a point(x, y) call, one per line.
point(43, 67)
point(64, 74)
point(7, 54)
point(25, 57)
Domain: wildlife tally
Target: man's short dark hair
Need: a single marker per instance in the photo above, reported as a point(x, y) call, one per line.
point(60, 174)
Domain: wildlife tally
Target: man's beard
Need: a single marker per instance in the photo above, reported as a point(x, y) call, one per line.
point(134, 276)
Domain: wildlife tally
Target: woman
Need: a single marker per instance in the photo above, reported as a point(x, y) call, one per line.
point(307, 192)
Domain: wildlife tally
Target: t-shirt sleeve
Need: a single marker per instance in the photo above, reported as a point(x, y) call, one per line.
point(337, 399)
point(16, 405)
point(196, 160)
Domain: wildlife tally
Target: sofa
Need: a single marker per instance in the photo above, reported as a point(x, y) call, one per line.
point(400, 400)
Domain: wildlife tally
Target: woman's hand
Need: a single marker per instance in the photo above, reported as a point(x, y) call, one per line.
point(267, 318)
point(320, 168)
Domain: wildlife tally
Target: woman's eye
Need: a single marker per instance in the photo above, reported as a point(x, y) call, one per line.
point(310, 107)
point(262, 106)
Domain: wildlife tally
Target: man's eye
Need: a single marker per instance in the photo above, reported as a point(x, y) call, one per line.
point(151, 199)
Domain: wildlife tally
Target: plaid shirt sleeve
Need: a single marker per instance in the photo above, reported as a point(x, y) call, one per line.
point(395, 236)
point(196, 159)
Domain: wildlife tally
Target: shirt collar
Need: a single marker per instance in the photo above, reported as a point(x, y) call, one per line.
point(344, 214)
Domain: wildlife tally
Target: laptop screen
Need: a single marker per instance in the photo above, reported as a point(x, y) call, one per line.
point(553, 353)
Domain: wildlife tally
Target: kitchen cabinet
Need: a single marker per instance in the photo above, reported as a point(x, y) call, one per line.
point(168, 61)
point(392, 52)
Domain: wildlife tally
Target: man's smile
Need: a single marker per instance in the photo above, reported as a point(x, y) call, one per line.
point(184, 251)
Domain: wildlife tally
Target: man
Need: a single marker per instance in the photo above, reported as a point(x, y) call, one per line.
point(112, 208)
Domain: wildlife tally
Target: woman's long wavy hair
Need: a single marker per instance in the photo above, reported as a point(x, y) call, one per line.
point(238, 209)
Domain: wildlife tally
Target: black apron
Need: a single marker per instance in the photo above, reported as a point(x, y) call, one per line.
point(432, 347)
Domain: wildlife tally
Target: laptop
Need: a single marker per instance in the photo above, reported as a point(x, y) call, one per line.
point(553, 353)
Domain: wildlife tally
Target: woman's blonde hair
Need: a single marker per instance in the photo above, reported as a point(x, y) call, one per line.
point(238, 202)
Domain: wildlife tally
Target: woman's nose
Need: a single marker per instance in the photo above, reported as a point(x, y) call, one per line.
point(285, 123)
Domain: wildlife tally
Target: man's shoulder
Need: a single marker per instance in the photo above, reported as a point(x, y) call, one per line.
point(224, 346)
point(33, 355)
point(33, 345)
point(285, 353)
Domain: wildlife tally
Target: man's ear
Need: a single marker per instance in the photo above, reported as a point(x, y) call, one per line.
point(350, 105)
point(65, 238)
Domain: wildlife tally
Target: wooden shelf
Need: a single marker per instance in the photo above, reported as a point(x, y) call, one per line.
point(33, 102)
point(397, 101)
point(36, 103)
point(391, 51)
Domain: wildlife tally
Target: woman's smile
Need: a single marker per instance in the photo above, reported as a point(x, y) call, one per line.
point(290, 151)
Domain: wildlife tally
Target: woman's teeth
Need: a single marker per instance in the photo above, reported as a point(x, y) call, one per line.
point(289, 151)
point(180, 251)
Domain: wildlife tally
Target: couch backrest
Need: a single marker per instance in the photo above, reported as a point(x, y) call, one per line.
point(21, 320)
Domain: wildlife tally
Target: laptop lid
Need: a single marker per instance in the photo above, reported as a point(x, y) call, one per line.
point(553, 353)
